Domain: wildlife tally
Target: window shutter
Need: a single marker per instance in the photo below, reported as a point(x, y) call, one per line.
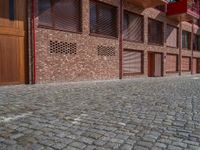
point(186, 64)
point(171, 36)
point(194, 65)
point(103, 19)
point(155, 32)
point(171, 63)
point(133, 62)
point(62, 15)
point(133, 27)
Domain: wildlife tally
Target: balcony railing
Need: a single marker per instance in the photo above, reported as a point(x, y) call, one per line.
point(187, 9)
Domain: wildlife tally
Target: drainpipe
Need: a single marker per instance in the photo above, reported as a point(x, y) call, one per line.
point(180, 47)
point(121, 39)
point(34, 41)
point(192, 39)
point(29, 36)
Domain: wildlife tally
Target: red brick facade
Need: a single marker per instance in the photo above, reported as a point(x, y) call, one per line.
point(86, 64)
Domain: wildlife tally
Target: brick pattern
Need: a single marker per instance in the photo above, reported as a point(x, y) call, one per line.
point(87, 64)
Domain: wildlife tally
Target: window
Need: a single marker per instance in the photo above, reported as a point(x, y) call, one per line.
point(171, 36)
point(186, 39)
point(103, 19)
point(155, 32)
point(133, 62)
point(133, 27)
point(11, 10)
point(196, 42)
point(60, 14)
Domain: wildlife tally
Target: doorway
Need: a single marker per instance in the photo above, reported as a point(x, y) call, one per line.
point(155, 64)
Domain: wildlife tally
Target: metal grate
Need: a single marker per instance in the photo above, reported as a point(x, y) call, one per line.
point(106, 50)
point(62, 47)
point(103, 19)
point(171, 63)
point(155, 32)
point(133, 27)
point(133, 62)
point(61, 14)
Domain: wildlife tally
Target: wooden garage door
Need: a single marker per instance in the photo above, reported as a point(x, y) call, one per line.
point(171, 63)
point(12, 41)
point(194, 66)
point(133, 62)
point(186, 64)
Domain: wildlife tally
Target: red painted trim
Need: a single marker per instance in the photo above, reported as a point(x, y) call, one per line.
point(34, 41)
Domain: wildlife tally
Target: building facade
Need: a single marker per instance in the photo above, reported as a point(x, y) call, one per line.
point(75, 40)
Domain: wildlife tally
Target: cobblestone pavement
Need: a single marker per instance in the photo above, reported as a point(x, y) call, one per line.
point(138, 114)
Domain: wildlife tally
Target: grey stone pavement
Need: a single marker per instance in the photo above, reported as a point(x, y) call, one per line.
point(137, 114)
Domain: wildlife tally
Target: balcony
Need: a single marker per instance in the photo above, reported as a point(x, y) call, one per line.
point(147, 3)
point(184, 10)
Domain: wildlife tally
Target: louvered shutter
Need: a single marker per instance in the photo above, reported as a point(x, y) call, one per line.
point(186, 64)
point(133, 62)
point(103, 19)
point(60, 14)
point(171, 63)
point(198, 65)
point(133, 27)
point(155, 32)
point(171, 36)
point(67, 14)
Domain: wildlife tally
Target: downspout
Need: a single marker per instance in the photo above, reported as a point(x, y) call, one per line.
point(192, 40)
point(180, 47)
point(34, 41)
point(29, 35)
point(121, 39)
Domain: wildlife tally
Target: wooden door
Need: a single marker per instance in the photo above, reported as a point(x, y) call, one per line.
point(158, 65)
point(151, 64)
point(155, 68)
point(12, 41)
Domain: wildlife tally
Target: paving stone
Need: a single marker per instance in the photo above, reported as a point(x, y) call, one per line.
point(141, 114)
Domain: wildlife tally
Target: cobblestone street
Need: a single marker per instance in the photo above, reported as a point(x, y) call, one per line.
point(137, 114)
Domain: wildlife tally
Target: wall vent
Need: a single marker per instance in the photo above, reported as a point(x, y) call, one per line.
point(60, 47)
point(106, 50)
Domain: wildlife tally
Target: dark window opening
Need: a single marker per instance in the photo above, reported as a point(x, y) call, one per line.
point(11, 10)
point(103, 19)
point(186, 40)
point(60, 14)
point(196, 43)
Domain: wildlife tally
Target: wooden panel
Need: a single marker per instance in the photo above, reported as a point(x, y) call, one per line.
point(171, 63)
point(12, 42)
point(186, 64)
point(133, 62)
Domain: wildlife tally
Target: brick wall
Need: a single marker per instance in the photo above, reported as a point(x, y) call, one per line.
point(86, 64)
